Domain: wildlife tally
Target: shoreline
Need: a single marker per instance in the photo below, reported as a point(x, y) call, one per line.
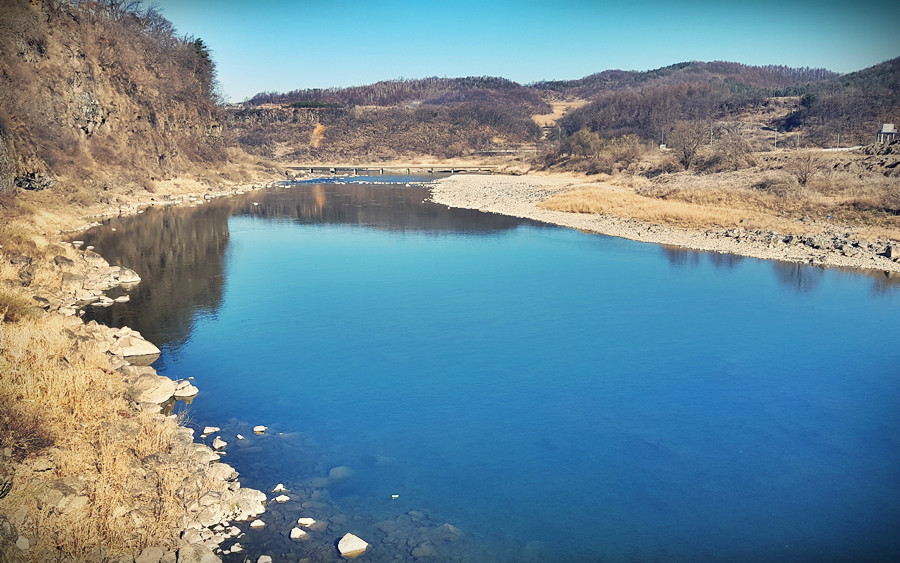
point(210, 498)
point(519, 196)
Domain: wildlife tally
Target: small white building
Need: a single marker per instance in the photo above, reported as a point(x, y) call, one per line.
point(886, 134)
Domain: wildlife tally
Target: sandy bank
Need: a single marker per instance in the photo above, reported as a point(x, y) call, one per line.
point(519, 196)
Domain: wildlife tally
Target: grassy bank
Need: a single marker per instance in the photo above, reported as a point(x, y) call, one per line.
point(84, 470)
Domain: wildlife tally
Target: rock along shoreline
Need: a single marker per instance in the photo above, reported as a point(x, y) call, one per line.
point(519, 196)
point(212, 496)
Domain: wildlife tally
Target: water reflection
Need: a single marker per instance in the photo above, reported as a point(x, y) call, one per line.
point(179, 252)
point(802, 278)
point(797, 276)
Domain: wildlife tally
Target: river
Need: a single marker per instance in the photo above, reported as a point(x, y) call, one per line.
point(551, 395)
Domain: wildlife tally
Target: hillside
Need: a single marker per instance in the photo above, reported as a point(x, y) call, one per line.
point(91, 93)
point(483, 116)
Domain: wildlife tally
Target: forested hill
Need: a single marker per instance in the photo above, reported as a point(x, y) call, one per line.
point(99, 90)
point(459, 116)
point(740, 76)
point(484, 90)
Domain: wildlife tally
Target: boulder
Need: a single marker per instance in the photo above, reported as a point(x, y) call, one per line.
point(150, 388)
point(221, 472)
point(219, 443)
point(130, 344)
point(210, 429)
point(72, 282)
point(264, 559)
point(260, 429)
point(351, 546)
point(20, 259)
point(282, 498)
point(279, 488)
point(297, 533)
point(94, 260)
point(257, 524)
point(184, 389)
point(306, 522)
point(63, 261)
point(128, 276)
point(150, 555)
point(196, 553)
point(247, 503)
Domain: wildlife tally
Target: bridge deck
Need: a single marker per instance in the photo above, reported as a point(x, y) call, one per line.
point(394, 170)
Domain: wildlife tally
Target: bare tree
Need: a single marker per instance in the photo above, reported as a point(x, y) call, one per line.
point(686, 139)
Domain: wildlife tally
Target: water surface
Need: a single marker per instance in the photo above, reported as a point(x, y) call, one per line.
point(553, 395)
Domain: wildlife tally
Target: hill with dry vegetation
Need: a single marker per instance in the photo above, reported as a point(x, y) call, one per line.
point(92, 92)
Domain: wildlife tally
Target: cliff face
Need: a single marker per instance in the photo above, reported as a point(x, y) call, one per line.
point(94, 91)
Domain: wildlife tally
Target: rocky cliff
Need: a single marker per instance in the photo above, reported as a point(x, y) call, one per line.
point(92, 90)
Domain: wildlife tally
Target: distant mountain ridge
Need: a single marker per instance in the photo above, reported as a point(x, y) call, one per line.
point(434, 90)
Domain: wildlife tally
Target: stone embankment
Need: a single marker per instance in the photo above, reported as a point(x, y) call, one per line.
point(519, 196)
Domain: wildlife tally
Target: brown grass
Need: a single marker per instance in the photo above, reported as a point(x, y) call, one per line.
point(763, 197)
point(64, 393)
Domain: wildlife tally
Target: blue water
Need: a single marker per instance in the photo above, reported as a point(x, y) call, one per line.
point(553, 394)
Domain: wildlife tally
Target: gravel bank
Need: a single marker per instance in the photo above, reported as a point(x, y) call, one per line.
point(518, 196)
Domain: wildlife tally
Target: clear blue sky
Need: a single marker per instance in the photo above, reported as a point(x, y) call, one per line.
point(283, 45)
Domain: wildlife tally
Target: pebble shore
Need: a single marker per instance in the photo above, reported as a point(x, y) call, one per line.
point(519, 196)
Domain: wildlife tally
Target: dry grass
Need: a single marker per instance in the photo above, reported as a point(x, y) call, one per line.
point(768, 197)
point(15, 307)
point(67, 395)
point(631, 205)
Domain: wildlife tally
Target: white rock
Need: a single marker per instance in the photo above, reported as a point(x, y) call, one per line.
point(133, 344)
point(237, 548)
point(122, 299)
point(128, 276)
point(257, 524)
point(219, 443)
point(260, 429)
point(264, 559)
point(282, 498)
point(23, 543)
point(306, 522)
point(279, 488)
point(210, 429)
point(297, 533)
point(351, 546)
point(151, 388)
point(184, 390)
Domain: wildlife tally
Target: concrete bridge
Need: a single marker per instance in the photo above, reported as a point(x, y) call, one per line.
point(393, 170)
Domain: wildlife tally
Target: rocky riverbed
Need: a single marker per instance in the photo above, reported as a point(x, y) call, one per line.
point(519, 196)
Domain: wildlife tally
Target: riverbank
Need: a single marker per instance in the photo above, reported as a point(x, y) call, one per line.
point(527, 196)
point(91, 465)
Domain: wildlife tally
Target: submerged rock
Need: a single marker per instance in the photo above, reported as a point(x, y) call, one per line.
point(340, 473)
